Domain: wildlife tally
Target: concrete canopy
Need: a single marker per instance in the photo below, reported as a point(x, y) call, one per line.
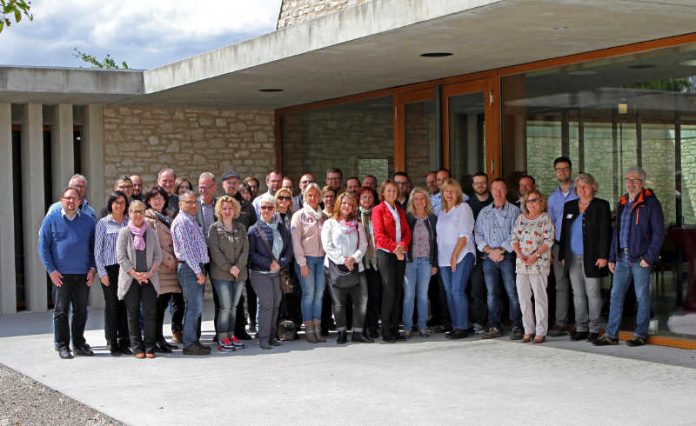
point(378, 45)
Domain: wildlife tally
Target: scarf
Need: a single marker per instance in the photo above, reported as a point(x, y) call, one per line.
point(348, 226)
point(163, 218)
point(316, 214)
point(370, 258)
point(138, 234)
point(271, 230)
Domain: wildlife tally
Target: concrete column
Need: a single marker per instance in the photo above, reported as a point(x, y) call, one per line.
point(8, 286)
point(92, 156)
point(62, 147)
point(35, 282)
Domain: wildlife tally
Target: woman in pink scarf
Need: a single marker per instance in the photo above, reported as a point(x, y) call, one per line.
point(139, 255)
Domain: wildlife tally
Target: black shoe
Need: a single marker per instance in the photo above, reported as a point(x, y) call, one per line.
point(592, 337)
point(243, 335)
point(579, 335)
point(399, 337)
point(458, 334)
point(372, 333)
point(358, 337)
point(275, 342)
point(162, 348)
point(635, 341)
point(83, 350)
point(516, 333)
point(324, 331)
point(125, 350)
point(342, 337)
point(64, 352)
point(605, 340)
point(388, 339)
point(557, 331)
point(196, 349)
point(169, 345)
point(115, 351)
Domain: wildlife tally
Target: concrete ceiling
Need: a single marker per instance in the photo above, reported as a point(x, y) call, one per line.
point(377, 45)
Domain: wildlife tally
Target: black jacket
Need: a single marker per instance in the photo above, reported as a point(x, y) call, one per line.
point(431, 224)
point(596, 234)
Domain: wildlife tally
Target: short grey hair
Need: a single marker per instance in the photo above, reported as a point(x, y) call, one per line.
point(167, 170)
point(639, 170)
point(207, 175)
point(266, 198)
point(589, 180)
point(78, 176)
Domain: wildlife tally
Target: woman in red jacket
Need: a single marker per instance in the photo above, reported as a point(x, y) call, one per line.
point(392, 238)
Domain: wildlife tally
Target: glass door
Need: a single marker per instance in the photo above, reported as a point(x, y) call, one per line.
point(471, 130)
point(419, 133)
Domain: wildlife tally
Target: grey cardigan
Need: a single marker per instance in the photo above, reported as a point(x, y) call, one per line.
point(125, 255)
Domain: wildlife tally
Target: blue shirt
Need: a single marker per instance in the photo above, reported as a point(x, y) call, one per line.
point(84, 208)
point(105, 236)
point(576, 240)
point(494, 226)
point(625, 225)
point(436, 202)
point(66, 245)
point(556, 201)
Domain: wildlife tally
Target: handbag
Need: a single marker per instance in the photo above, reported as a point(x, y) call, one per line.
point(287, 280)
point(343, 278)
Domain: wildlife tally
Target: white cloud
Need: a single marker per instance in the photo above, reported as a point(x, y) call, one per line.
point(144, 33)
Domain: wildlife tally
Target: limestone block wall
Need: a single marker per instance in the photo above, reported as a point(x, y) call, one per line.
point(145, 139)
point(296, 11)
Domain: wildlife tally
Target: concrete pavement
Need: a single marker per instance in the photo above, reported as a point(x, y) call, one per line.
point(431, 381)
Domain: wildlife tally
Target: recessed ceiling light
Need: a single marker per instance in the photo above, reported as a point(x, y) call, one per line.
point(560, 28)
point(270, 90)
point(582, 72)
point(689, 63)
point(435, 54)
point(641, 66)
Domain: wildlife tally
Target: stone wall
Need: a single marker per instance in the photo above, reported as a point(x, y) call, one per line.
point(143, 140)
point(296, 11)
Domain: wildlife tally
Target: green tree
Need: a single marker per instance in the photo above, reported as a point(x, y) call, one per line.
point(14, 10)
point(108, 63)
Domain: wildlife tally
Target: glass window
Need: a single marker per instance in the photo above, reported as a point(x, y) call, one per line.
point(606, 116)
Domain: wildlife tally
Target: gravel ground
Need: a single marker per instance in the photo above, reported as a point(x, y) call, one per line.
point(24, 401)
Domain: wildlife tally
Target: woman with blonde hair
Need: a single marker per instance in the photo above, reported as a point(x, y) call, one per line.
point(421, 259)
point(305, 229)
point(532, 239)
point(229, 250)
point(283, 199)
point(456, 254)
point(345, 242)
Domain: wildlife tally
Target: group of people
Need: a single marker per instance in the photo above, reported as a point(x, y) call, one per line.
point(387, 261)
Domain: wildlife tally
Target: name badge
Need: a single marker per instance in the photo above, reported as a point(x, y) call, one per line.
point(569, 216)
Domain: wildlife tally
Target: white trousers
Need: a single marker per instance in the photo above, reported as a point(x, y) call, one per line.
point(528, 285)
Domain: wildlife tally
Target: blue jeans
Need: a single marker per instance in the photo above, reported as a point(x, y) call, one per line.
point(416, 282)
point(228, 293)
point(312, 288)
point(455, 287)
point(193, 296)
point(623, 272)
point(492, 271)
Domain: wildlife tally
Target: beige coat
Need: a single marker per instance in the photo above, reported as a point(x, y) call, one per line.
point(169, 280)
point(125, 255)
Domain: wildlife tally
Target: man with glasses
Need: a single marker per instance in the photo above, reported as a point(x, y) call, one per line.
point(123, 184)
point(564, 193)
point(639, 231)
point(403, 182)
point(78, 182)
point(192, 253)
point(334, 179)
point(298, 200)
point(66, 249)
point(137, 187)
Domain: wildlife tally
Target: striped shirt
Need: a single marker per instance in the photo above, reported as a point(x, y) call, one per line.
point(494, 226)
point(189, 242)
point(105, 236)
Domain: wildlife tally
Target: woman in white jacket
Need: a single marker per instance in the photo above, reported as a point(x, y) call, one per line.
point(345, 242)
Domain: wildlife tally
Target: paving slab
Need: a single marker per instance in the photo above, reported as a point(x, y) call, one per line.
point(424, 381)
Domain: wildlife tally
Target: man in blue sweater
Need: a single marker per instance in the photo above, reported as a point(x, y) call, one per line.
point(66, 249)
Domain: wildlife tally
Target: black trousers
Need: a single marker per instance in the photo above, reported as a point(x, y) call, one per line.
point(374, 298)
point(177, 311)
point(438, 301)
point(478, 305)
point(74, 292)
point(326, 303)
point(342, 299)
point(163, 301)
point(144, 295)
point(392, 272)
point(115, 320)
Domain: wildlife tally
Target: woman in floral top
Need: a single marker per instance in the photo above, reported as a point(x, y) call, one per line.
point(532, 239)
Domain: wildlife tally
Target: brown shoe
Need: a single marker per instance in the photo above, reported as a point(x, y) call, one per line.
point(317, 332)
point(309, 332)
point(177, 336)
point(539, 339)
point(527, 338)
point(140, 355)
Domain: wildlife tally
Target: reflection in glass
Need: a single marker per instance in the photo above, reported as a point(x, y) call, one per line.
point(466, 136)
point(420, 135)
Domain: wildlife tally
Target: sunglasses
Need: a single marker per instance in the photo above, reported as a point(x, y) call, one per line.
point(284, 198)
point(267, 207)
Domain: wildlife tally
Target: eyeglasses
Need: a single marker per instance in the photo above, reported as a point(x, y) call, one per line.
point(70, 198)
point(628, 180)
point(562, 169)
point(137, 212)
point(533, 200)
point(267, 207)
point(188, 202)
point(120, 202)
point(284, 198)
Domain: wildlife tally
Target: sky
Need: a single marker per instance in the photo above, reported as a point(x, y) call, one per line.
point(144, 33)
